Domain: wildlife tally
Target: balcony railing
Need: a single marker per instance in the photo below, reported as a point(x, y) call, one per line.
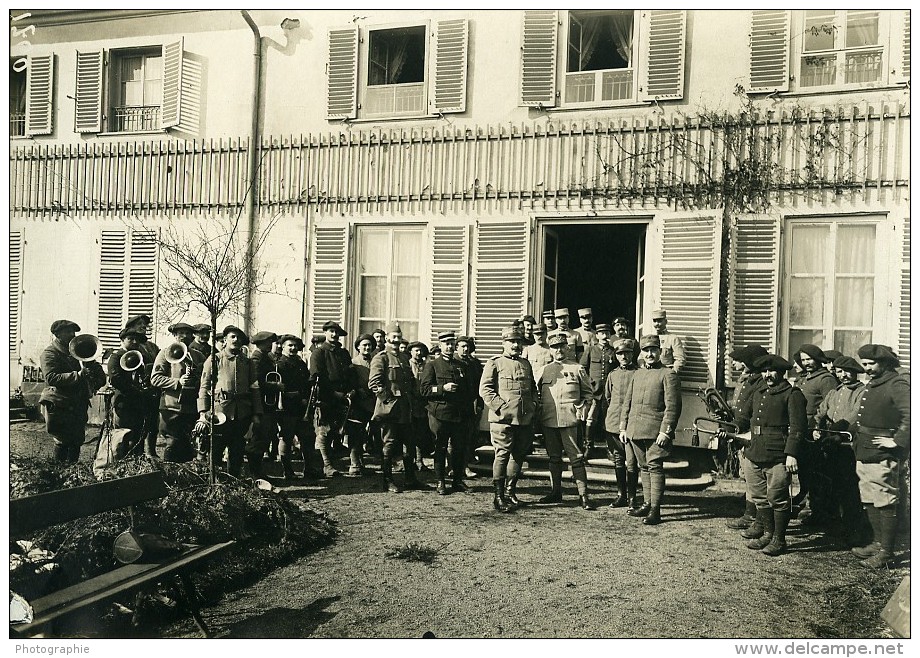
point(135, 118)
point(17, 124)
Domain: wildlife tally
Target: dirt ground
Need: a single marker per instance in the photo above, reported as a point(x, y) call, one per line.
point(545, 571)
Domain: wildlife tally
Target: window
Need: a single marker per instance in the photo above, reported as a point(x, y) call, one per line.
point(841, 48)
point(137, 90)
point(600, 58)
point(17, 101)
point(833, 290)
point(396, 72)
point(390, 268)
point(30, 95)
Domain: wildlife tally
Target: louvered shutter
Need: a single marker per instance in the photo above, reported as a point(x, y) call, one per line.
point(450, 63)
point(172, 84)
point(448, 278)
point(754, 283)
point(900, 48)
point(689, 291)
point(39, 86)
point(342, 98)
point(88, 93)
point(904, 317)
point(538, 58)
point(142, 274)
point(665, 46)
point(113, 247)
point(15, 292)
point(500, 282)
point(769, 52)
point(330, 255)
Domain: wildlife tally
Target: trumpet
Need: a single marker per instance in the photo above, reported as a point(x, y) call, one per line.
point(177, 353)
point(273, 398)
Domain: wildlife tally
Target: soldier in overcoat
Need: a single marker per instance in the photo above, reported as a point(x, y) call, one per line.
point(332, 373)
point(152, 404)
point(615, 388)
point(292, 420)
point(261, 356)
point(465, 354)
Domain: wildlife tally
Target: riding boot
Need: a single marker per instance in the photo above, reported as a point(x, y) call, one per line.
point(499, 502)
point(632, 486)
point(511, 491)
point(657, 493)
point(411, 477)
point(744, 521)
point(873, 547)
point(765, 517)
point(555, 480)
point(646, 497)
point(623, 499)
point(756, 529)
point(777, 545)
point(387, 468)
point(886, 536)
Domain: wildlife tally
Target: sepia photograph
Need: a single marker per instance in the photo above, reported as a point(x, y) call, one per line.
point(406, 322)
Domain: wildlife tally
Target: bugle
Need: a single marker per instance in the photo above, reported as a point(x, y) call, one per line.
point(711, 427)
point(131, 360)
point(272, 397)
point(845, 437)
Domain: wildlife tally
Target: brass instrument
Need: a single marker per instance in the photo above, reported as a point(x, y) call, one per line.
point(177, 353)
point(349, 402)
point(133, 361)
point(273, 398)
point(201, 436)
point(712, 427)
point(85, 348)
point(845, 437)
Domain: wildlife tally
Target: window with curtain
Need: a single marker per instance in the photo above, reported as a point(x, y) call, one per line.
point(17, 101)
point(600, 56)
point(396, 71)
point(832, 284)
point(137, 90)
point(390, 268)
point(842, 47)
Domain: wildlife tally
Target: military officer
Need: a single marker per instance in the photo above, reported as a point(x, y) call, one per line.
point(549, 319)
point(565, 394)
point(331, 371)
point(466, 346)
point(202, 342)
point(648, 420)
point(882, 442)
point(256, 447)
point(70, 386)
point(510, 392)
point(362, 406)
point(152, 405)
point(598, 361)
point(586, 330)
point(539, 353)
point(574, 338)
point(130, 389)
point(672, 347)
point(615, 387)
point(291, 418)
point(178, 384)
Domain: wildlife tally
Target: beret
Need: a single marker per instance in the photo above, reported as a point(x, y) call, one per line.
point(558, 339)
point(138, 318)
point(327, 326)
point(603, 327)
point(625, 345)
point(874, 352)
point(62, 325)
point(201, 328)
point(232, 328)
point(447, 335)
point(130, 331)
point(658, 314)
point(512, 333)
point(529, 318)
point(179, 326)
point(748, 354)
point(317, 339)
point(264, 336)
point(848, 363)
point(832, 354)
point(772, 362)
point(366, 337)
point(649, 341)
point(813, 351)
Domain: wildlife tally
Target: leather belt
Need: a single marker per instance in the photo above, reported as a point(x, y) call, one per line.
point(765, 429)
point(877, 431)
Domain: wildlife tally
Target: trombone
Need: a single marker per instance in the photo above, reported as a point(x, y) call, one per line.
point(177, 353)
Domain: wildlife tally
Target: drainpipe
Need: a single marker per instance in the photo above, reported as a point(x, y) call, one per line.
point(255, 147)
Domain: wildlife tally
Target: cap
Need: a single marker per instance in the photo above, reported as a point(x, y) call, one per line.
point(231, 328)
point(327, 326)
point(124, 333)
point(529, 318)
point(469, 340)
point(651, 340)
point(179, 326)
point(265, 336)
point(63, 325)
point(603, 328)
point(136, 319)
point(366, 337)
point(540, 328)
point(512, 333)
point(659, 314)
point(548, 314)
point(447, 335)
point(848, 363)
point(379, 330)
point(561, 313)
point(558, 339)
point(621, 320)
point(392, 328)
point(419, 344)
point(772, 362)
point(201, 329)
point(874, 352)
point(625, 345)
point(813, 351)
point(584, 311)
point(832, 355)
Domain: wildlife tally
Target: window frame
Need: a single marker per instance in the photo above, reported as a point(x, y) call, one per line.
point(25, 99)
point(364, 40)
point(114, 82)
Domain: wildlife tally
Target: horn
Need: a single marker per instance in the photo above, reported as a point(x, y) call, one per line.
point(85, 347)
point(176, 352)
point(220, 418)
point(131, 360)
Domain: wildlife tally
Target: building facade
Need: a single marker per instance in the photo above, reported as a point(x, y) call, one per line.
point(746, 170)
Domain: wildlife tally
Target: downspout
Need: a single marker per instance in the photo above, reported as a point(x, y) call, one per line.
point(255, 147)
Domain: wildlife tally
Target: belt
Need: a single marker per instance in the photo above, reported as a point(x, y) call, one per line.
point(876, 431)
point(765, 429)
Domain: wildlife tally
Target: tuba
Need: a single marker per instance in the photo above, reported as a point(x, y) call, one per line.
point(177, 353)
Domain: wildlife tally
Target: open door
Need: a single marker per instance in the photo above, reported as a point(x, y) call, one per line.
point(550, 271)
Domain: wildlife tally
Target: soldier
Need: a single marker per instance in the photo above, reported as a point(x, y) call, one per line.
point(648, 420)
point(539, 353)
point(882, 441)
point(392, 382)
point(586, 330)
point(615, 387)
point(672, 347)
point(201, 344)
point(178, 384)
point(259, 444)
point(527, 325)
point(573, 337)
point(510, 392)
point(775, 416)
point(70, 386)
point(622, 328)
point(424, 441)
point(564, 398)
point(362, 406)
point(152, 405)
point(291, 418)
point(598, 361)
point(236, 395)
point(331, 371)
point(549, 319)
point(466, 346)
point(380, 337)
point(130, 387)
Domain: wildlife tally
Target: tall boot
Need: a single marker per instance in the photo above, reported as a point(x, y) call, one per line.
point(73, 453)
point(777, 545)
point(632, 486)
point(756, 529)
point(657, 493)
point(623, 499)
point(511, 491)
point(555, 481)
point(387, 468)
point(411, 477)
point(287, 467)
point(744, 521)
point(886, 535)
point(767, 519)
point(873, 547)
point(150, 445)
point(646, 497)
point(499, 502)
point(356, 467)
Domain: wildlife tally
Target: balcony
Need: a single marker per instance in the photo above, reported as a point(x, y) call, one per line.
point(135, 118)
point(17, 124)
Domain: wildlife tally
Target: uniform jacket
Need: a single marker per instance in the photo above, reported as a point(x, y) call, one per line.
point(202, 348)
point(395, 386)
point(749, 382)
point(67, 385)
point(237, 386)
point(841, 404)
point(474, 376)
point(884, 410)
point(588, 337)
point(775, 416)
point(509, 390)
point(450, 407)
point(615, 389)
point(652, 403)
point(363, 405)
point(672, 351)
point(264, 363)
point(539, 356)
point(598, 362)
point(330, 368)
point(564, 389)
point(296, 378)
point(815, 386)
point(165, 377)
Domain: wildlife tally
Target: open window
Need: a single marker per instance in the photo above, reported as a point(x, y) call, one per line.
point(31, 80)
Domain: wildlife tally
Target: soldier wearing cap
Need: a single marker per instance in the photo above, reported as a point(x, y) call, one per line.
point(775, 416)
point(573, 337)
point(177, 385)
point(510, 392)
point(380, 337)
point(586, 330)
point(236, 395)
point(267, 436)
point(527, 324)
point(466, 346)
point(672, 347)
point(651, 408)
point(836, 414)
point(882, 442)
point(424, 440)
point(70, 385)
point(130, 389)
point(549, 319)
point(201, 344)
point(539, 353)
point(749, 380)
point(362, 405)
point(615, 387)
point(565, 395)
point(292, 419)
point(150, 351)
point(831, 356)
point(598, 360)
point(331, 371)
point(392, 382)
point(449, 395)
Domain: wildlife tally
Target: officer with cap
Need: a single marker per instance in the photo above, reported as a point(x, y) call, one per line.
point(775, 416)
point(586, 330)
point(362, 406)
point(294, 399)
point(70, 386)
point(202, 342)
point(510, 392)
point(150, 351)
point(615, 387)
point(672, 347)
point(648, 420)
point(267, 436)
point(466, 346)
point(882, 442)
point(539, 353)
point(332, 373)
point(565, 395)
point(130, 389)
point(622, 328)
point(598, 360)
point(574, 338)
point(549, 319)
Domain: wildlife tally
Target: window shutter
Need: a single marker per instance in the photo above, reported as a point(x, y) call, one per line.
point(901, 58)
point(15, 292)
point(904, 317)
point(770, 35)
point(754, 283)
point(39, 86)
point(172, 84)
point(111, 293)
point(88, 94)
point(142, 274)
point(538, 58)
point(689, 280)
point(500, 281)
point(330, 254)
point(665, 45)
point(448, 278)
point(343, 74)
point(450, 53)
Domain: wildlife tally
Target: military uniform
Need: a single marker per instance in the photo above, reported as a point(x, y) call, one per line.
point(152, 414)
point(262, 441)
point(130, 397)
point(615, 389)
point(178, 404)
point(424, 440)
point(474, 411)
point(332, 373)
point(598, 362)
